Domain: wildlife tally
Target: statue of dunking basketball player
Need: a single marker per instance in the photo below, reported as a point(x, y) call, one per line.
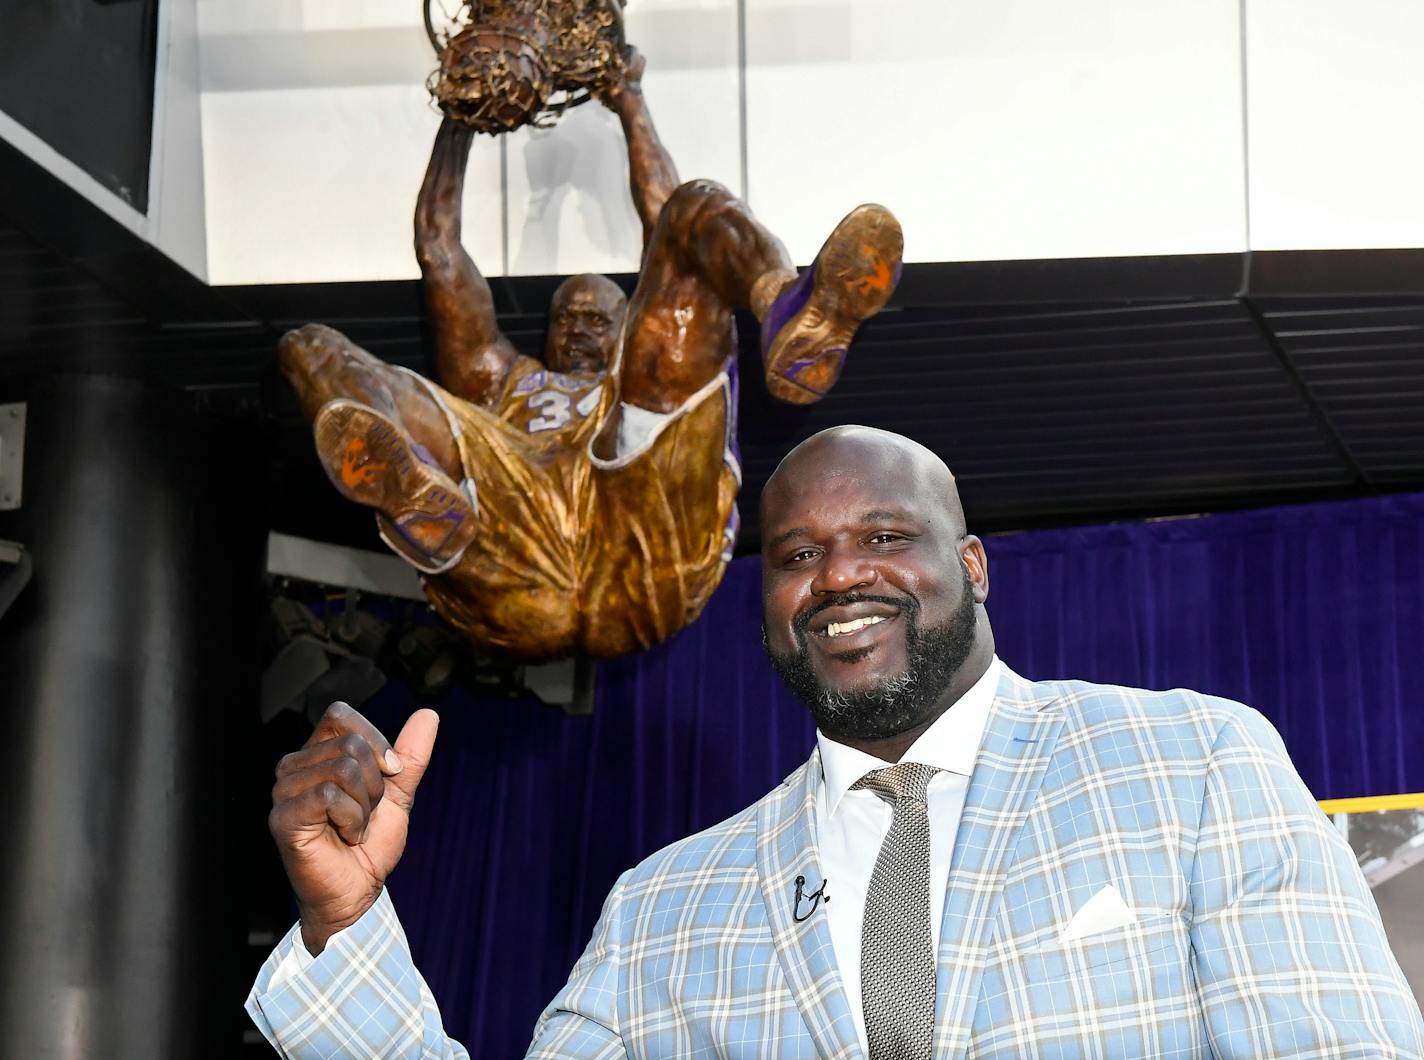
point(586, 504)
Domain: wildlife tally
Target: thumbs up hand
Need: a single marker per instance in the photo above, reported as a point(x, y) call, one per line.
point(341, 812)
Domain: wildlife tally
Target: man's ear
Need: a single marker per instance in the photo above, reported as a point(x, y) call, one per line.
point(971, 552)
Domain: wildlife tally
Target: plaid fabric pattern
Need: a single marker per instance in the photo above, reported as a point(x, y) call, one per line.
point(1253, 933)
point(361, 997)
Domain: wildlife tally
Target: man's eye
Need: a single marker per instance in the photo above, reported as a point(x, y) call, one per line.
point(800, 555)
point(885, 537)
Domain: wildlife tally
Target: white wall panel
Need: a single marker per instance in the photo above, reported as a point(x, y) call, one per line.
point(569, 204)
point(319, 185)
point(177, 222)
point(1018, 129)
point(1335, 98)
point(316, 132)
point(569, 209)
point(317, 129)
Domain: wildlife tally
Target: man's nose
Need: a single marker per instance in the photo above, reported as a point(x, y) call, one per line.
point(842, 570)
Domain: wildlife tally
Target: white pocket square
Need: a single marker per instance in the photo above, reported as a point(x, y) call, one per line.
point(1102, 912)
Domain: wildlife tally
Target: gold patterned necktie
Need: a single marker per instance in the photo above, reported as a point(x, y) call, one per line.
point(897, 959)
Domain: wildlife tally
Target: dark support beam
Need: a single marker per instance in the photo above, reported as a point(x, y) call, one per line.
point(127, 682)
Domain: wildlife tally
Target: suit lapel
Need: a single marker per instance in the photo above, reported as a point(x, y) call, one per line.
point(786, 849)
point(1019, 738)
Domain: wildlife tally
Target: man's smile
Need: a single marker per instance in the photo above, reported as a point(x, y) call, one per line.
point(850, 642)
point(842, 629)
point(854, 627)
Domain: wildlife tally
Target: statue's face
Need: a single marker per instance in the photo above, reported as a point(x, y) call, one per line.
point(584, 323)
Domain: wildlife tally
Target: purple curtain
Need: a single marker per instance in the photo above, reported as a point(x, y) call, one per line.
point(1312, 614)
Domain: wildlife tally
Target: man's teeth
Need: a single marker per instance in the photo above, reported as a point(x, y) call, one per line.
point(840, 629)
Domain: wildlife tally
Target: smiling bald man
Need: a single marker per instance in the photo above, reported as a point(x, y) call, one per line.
point(873, 590)
point(969, 865)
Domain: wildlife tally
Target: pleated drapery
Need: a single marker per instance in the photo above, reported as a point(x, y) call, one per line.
point(1312, 614)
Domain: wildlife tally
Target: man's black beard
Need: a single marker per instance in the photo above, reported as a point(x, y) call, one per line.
point(894, 704)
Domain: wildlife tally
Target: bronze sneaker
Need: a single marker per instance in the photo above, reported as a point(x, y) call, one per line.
point(809, 325)
point(422, 514)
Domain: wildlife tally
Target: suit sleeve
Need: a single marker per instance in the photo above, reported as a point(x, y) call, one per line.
point(361, 997)
point(1289, 954)
point(584, 1019)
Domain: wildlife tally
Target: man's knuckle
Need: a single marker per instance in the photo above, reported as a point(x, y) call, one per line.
point(349, 771)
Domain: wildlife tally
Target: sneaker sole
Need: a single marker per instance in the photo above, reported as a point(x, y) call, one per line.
point(851, 279)
point(423, 515)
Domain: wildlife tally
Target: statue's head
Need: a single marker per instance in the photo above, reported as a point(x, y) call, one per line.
point(585, 321)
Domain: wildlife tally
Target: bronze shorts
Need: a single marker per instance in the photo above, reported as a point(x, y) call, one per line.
point(579, 555)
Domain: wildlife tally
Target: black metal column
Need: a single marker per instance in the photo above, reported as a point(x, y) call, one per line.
point(126, 677)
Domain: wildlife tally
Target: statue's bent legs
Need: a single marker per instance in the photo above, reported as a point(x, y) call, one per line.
point(384, 442)
point(707, 256)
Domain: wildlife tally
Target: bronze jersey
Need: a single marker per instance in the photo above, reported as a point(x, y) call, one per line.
point(577, 554)
point(553, 408)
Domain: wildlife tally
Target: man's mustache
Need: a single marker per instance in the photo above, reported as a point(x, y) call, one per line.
point(801, 624)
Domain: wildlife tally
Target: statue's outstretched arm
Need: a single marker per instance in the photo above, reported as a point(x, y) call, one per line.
point(651, 172)
point(471, 354)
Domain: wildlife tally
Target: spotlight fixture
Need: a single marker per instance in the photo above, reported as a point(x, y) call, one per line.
point(429, 658)
point(351, 680)
point(317, 663)
point(296, 667)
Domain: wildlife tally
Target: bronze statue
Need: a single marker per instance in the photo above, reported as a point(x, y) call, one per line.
point(586, 504)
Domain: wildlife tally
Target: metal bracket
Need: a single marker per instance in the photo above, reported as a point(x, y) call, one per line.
point(567, 684)
point(15, 570)
point(12, 454)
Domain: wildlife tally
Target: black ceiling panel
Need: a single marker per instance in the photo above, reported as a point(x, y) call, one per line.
point(1362, 361)
point(1071, 413)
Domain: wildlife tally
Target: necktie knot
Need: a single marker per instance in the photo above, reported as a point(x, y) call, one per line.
point(907, 780)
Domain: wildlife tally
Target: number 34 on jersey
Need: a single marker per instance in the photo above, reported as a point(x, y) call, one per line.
point(549, 401)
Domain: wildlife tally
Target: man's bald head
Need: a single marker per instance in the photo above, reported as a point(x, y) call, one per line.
point(872, 590)
point(869, 451)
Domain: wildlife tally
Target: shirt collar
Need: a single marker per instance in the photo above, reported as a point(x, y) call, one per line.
point(951, 743)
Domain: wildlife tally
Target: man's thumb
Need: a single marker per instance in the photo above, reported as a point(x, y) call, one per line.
point(413, 747)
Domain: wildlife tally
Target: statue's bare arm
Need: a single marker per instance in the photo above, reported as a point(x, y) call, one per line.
point(472, 357)
point(651, 172)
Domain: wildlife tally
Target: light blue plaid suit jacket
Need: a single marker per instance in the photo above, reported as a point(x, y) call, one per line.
point(1254, 935)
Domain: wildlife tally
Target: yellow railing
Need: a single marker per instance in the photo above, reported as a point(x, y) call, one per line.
point(1371, 803)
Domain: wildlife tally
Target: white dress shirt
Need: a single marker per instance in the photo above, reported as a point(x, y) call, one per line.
point(851, 825)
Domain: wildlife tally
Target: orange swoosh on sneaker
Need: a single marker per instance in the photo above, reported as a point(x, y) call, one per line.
point(353, 473)
point(878, 280)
